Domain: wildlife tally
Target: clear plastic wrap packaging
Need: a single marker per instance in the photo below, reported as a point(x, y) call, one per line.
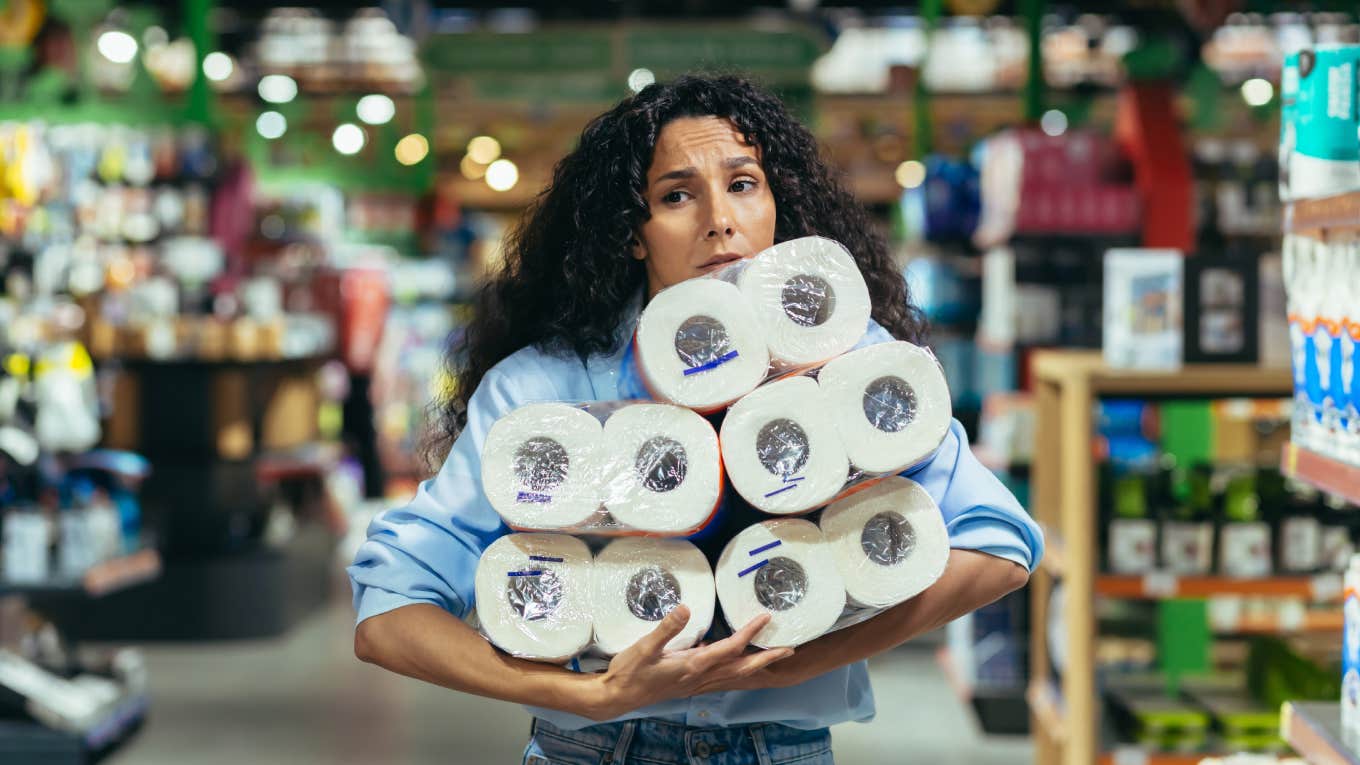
point(782, 567)
point(608, 468)
point(889, 542)
point(638, 581)
point(545, 597)
point(881, 545)
point(706, 342)
point(782, 448)
point(891, 404)
point(793, 445)
point(534, 596)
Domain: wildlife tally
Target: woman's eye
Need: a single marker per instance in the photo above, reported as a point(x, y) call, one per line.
point(740, 186)
point(674, 197)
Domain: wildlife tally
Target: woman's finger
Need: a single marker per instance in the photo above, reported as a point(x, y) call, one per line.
point(654, 642)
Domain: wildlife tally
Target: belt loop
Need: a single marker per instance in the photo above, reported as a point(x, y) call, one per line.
point(758, 738)
point(625, 740)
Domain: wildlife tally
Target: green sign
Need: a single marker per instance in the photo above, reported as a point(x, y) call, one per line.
point(575, 64)
point(547, 52)
point(779, 56)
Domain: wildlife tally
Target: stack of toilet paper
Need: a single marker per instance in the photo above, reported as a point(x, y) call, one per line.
point(811, 424)
point(707, 342)
point(546, 597)
point(880, 546)
point(603, 468)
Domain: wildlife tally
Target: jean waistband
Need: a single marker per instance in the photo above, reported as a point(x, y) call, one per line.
point(663, 741)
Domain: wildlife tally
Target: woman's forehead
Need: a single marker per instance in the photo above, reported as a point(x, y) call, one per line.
point(689, 141)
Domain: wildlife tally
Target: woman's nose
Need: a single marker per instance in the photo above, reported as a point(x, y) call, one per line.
point(721, 222)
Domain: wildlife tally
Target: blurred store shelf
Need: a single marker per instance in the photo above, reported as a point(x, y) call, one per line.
point(1159, 586)
point(1134, 756)
point(28, 741)
point(1326, 474)
point(1313, 729)
point(1319, 217)
point(101, 579)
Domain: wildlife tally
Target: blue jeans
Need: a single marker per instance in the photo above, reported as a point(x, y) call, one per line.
point(654, 742)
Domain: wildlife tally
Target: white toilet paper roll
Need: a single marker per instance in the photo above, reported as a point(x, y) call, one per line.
point(888, 540)
point(541, 466)
point(698, 345)
point(809, 298)
point(890, 403)
point(781, 448)
point(533, 595)
point(784, 568)
point(663, 471)
point(639, 581)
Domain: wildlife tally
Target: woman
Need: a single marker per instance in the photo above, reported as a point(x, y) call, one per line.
point(670, 184)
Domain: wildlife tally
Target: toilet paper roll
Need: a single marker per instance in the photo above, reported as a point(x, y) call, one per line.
point(638, 581)
point(784, 568)
point(781, 448)
point(888, 540)
point(809, 298)
point(890, 403)
point(534, 595)
point(541, 466)
point(663, 469)
point(698, 345)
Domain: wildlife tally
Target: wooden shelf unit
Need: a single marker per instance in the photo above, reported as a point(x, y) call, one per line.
point(1067, 383)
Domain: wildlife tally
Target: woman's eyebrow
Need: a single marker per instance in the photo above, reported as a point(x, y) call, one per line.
point(731, 163)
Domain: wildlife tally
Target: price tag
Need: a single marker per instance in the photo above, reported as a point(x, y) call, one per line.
point(1225, 613)
point(1291, 614)
point(1129, 755)
point(1160, 584)
point(1325, 588)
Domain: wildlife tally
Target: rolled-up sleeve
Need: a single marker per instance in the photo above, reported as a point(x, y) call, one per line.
point(427, 551)
point(979, 511)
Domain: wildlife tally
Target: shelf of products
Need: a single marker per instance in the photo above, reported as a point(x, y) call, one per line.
point(101, 579)
point(1065, 484)
point(1133, 756)
point(1317, 217)
point(1325, 473)
point(1165, 586)
point(1313, 729)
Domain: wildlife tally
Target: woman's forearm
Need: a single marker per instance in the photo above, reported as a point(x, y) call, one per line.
point(428, 643)
point(971, 580)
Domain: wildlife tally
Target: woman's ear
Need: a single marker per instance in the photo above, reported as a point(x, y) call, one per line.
point(639, 252)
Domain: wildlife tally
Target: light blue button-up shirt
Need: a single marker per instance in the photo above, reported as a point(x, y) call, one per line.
point(427, 551)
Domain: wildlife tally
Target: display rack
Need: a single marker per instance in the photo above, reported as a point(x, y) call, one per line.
point(99, 580)
point(1313, 729)
point(1066, 716)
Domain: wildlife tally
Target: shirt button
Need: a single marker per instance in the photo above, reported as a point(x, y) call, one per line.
point(702, 749)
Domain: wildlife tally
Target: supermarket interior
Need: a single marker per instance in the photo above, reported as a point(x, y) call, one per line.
point(255, 261)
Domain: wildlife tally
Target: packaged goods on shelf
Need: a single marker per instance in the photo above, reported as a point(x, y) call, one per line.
point(1323, 282)
point(1319, 154)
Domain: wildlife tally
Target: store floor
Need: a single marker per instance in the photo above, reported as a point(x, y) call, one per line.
point(305, 699)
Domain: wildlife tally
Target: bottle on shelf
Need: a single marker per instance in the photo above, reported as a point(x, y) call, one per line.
point(1244, 540)
point(1188, 532)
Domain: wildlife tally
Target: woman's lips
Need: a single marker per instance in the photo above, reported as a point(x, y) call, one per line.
point(720, 260)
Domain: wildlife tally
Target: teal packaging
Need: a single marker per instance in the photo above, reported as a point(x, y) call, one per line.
point(1321, 136)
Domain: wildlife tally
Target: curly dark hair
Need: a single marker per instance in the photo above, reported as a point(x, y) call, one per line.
point(569, 273)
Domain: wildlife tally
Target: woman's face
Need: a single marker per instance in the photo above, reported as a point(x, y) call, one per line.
point(709, 201)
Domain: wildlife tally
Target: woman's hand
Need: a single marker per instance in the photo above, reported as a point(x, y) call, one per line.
point(646, 673)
